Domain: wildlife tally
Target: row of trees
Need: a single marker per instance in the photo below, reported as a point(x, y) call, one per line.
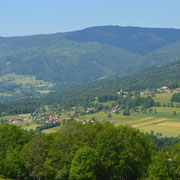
point(90, 151)
point(124, 103)
point(176, 97)
point(47, 126)
point(18, 107)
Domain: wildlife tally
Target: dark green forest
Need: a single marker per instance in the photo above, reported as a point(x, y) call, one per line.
point(90, 151)
point(84, 56)
point(18, 107)
point(152, 78)
point(134, 39)
point(176, 97)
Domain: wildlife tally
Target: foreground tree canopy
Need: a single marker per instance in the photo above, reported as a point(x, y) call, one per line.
point(90, 151)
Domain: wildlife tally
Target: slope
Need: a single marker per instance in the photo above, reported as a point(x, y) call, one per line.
point(163, 55)
point(167, 75)
point(65, 61)
point(83, 56)
point(134, 39)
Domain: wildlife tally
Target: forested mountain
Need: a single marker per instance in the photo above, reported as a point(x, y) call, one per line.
point(134, 39)
point(83, 56)
point(164, 55)
point(167, 75)
point(68, 62)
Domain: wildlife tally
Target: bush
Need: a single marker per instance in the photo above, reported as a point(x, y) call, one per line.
point(126, 112)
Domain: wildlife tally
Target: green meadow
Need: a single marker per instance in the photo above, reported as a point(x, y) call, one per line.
point(163, 97)
point(23, 84)
point(165, 120)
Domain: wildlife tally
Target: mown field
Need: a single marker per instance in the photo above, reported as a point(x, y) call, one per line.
point(163, 120)
point(163, 97)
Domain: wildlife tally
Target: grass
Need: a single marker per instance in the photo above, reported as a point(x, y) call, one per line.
point(25, 115)
point(27, 125)
point(9, 117)
point(174, 131)
point(5, 94)
point(2, 178)
point(44, 91)
point(163, 97)
point(146, 122)
point(167, 109)
point(26, 82)
point(163, 121)
point(108, 103)
point(51, 130)
point(33, 127)
point(149, 122)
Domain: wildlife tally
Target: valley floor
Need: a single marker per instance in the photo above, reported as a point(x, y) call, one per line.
point(161, 120)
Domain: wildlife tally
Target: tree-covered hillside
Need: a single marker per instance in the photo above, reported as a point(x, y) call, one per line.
point(134, 39)
point(164, 55)
point(65, 61)
point(94, 53)
point(167, 75)
point(88, 151)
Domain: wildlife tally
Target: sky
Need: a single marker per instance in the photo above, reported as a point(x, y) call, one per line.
point(27, 17)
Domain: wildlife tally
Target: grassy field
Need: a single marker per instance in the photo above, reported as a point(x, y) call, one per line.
point(1, 178)
point(164, 120)
point(28, 125)
point(24, 80)
point(26, 84)
point(51, 130)
point(44, 91)
point(164, 97)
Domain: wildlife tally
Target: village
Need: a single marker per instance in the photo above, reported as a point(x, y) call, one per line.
point(50, 115)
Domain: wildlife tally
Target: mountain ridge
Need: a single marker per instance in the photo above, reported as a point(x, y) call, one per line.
point(127, 36)
point(58, 58)
point(151, 78)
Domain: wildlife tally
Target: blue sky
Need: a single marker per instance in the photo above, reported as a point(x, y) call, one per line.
point(25, 17)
